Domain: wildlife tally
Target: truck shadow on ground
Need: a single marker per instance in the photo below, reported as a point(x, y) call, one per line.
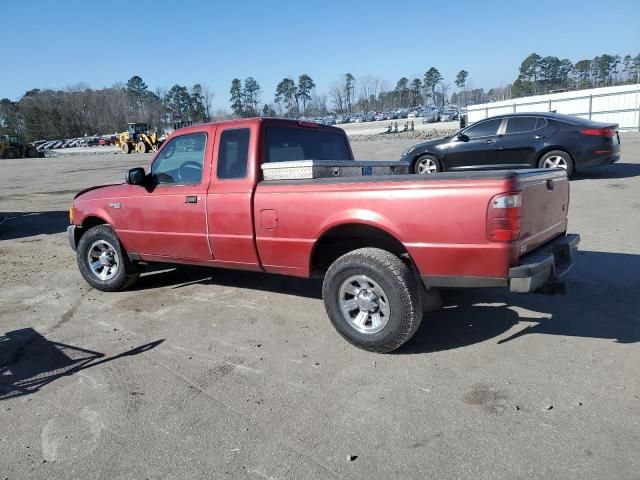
point(180, 277)
point(29, 361)
point(603, 294)
point(616, 170)
point(29, 224)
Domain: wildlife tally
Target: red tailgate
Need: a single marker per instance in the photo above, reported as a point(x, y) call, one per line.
point(545, 202)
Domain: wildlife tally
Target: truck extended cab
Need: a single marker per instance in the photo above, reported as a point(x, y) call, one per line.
point(382, 243)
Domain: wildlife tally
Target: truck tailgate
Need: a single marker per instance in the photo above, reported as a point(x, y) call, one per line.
point(545, 202)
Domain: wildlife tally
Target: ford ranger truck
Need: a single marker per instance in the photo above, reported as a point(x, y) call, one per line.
point(383, 244)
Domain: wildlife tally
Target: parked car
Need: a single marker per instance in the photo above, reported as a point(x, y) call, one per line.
point(379, 117)
point(492, 229)
point(430, 115)
point(520, 140)
point(449, 115)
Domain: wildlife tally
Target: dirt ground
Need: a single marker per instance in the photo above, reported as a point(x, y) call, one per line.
point(216, 374)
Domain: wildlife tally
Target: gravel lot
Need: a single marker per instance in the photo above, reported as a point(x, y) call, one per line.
point(217, 374)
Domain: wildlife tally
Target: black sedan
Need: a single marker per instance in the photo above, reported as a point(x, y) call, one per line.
point(520, 140)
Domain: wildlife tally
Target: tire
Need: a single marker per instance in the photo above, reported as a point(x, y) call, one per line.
point(426, 165)
point(10, 154)
point(32, 153)
point(141, 147)
point(558, 158)
point(396, 300)
point(93, 241)
point(125, 147)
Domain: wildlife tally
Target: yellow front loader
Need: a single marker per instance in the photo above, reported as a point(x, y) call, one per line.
point(140, 138)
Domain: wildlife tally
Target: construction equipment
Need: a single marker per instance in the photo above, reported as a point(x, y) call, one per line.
point(181, 124)
point(11, 147)
point(140, 138)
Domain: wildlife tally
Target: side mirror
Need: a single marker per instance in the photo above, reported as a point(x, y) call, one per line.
point(462, 137)
point(136, 176)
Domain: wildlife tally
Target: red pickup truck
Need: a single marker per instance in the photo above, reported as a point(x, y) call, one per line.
point(382, 243)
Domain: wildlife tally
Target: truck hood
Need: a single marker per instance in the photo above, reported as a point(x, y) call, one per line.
point(105, 190)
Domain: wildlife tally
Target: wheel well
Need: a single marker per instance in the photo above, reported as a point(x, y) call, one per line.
point(92, 222)
point(345, 238)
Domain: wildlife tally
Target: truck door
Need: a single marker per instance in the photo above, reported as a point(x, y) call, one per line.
point(230, 196)
point(167, 218)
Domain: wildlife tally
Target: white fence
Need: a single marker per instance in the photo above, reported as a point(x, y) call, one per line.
point(619, 105)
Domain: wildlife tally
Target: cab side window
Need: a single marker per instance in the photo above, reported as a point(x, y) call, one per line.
point(233, 153)
point(180, 160)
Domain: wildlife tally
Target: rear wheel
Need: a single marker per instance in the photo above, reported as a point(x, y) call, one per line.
point(372, 299)
point(125, 147)
point(427, 164)
point(557, 159)
point(141, 147)
point(103, 262)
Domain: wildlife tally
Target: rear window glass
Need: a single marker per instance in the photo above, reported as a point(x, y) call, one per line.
point(521, 124)
point(289, 144)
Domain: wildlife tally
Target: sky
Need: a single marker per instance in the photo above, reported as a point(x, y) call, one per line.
point(55, 44)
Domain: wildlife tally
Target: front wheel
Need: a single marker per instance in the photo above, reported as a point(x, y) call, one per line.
point(141, 147)
point(557, 159)
point(103, 262)
point(427, 164)
point(125, 147)
point(372, 299)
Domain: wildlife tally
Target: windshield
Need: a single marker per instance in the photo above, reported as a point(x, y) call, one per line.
point(289, 144)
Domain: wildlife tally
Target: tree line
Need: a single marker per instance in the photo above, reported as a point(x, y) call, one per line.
point(79, 110)
point(539, 74)
point(349, 94)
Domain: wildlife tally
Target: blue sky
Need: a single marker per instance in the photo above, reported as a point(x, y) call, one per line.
point(53, 44)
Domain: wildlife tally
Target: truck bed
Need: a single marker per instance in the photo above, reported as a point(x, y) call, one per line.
point(441, 219)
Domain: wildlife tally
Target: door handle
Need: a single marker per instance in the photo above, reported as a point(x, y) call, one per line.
point(191, 199)
point(490, 141)
point(538, 137)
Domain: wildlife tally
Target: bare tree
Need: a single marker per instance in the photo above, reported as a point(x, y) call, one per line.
point(444, 88)
point(336, 92)
point(208, 96)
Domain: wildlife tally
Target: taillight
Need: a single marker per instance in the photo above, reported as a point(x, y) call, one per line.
point(504, 217)
point(599, 132)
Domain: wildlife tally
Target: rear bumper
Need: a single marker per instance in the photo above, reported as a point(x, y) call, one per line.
point(548, 263)
point(599, 160)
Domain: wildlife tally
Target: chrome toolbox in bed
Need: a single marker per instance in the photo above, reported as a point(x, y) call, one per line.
point(308, 169)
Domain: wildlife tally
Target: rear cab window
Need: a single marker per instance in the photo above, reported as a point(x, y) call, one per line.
point(284, 144)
